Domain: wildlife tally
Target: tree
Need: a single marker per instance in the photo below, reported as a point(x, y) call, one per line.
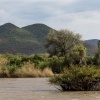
point(77, 56)
point(79, 53)
point(61, 42)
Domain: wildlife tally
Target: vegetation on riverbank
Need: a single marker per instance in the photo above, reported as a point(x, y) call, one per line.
point(66, 57)
point(22, 66)
point(78, 78)
point(82, 72)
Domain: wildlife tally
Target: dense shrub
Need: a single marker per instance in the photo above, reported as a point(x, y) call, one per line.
point(13, 59)
point(56, 64)
point(77, 78)
point(89, 60)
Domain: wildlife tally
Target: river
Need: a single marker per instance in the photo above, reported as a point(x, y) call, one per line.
point(39, 89)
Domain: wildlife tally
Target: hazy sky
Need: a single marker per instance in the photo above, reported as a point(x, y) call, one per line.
point(80, 16)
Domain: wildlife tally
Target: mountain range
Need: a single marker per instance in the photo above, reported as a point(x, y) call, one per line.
point(30, 39)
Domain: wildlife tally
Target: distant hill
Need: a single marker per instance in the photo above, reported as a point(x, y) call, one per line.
point(91, 49)
point(26, 40)
point(30, 39)
point(38, 30)
point(92, 41)
point(91, 46)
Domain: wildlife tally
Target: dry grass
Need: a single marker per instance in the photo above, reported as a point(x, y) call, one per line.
point(47, 72)
point(3, 61)
point(4, 73)
point(28, 70)
point(25, 70)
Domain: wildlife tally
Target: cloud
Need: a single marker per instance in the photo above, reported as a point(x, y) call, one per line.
point(86, 23)
point(26, 11)
point(82, 16)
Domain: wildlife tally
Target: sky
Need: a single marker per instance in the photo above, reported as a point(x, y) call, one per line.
point(79, 16)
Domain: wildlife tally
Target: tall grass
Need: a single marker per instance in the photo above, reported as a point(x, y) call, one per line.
point(23, 66)
point(25, 70)
point(28, 70)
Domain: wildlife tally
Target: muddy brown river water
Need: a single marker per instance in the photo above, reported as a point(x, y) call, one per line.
point(39, 89)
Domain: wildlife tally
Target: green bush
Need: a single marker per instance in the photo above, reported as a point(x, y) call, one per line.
point(77, 78)
point(56, 64)
point(13, 59)
point(42, 65)
point(89, 60)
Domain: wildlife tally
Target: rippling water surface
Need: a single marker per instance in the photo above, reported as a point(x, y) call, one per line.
point(39, 89)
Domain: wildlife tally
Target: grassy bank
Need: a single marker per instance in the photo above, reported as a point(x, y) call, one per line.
point(21, 66)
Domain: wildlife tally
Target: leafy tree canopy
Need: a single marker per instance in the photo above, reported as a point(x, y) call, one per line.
point(61, 42)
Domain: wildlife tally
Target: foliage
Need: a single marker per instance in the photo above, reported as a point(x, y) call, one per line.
point(78, 55)
point(77, 78)
point(61, 42)
point(56, 64)
point(89, 60)
point(27, 69)
point(23, 66)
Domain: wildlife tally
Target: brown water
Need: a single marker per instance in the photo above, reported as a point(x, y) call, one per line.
point(39, 89)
